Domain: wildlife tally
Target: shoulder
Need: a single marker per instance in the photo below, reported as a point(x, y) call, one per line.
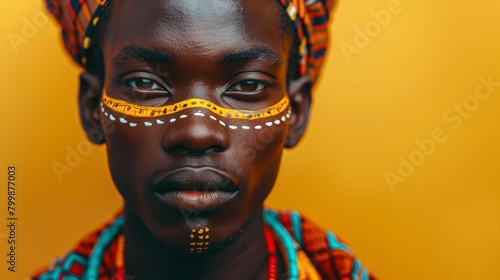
point(331, 256)
point(75, 264)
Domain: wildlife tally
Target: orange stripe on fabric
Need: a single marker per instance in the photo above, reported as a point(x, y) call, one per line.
point(301, 9)
point(318, 37)
point(80, 28)
point(85, 9)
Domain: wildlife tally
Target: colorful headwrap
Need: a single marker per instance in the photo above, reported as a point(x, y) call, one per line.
point(79, 19)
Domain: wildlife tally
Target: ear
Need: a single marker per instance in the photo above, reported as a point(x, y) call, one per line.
point(299, 92)
point(88, 99)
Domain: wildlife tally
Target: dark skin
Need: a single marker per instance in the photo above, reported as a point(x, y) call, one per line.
point(162, 52)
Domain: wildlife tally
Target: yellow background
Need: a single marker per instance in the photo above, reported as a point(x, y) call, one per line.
point(443, 222)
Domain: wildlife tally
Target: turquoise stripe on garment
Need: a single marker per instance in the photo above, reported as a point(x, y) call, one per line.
point(72, 258)
point(271, 219)
point(107, 236)
point(334, 243)
point(355, 270)
point(364, 274)
point(297, 227)
point(55, 274)
point(71, 277)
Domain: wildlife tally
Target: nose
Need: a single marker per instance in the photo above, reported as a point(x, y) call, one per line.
point(195, 134)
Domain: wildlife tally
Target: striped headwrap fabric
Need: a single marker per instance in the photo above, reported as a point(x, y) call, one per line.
point(79, 18)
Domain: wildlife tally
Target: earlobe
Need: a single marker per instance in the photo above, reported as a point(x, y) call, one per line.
point(88, 100)
point(299, 93)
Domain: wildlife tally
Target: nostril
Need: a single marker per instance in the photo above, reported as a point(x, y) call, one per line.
point(216, 149)
point(184, 150)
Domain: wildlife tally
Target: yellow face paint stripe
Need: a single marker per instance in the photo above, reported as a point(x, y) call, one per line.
point(132, 110)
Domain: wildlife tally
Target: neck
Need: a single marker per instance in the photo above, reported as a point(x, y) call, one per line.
point(247, 259)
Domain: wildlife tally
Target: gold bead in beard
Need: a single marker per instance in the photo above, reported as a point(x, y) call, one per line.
point(199, 239)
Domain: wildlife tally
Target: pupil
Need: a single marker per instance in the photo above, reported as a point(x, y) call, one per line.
point(249, 85)
point(144, 83)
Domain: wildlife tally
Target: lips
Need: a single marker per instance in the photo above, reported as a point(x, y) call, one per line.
point(196, 188)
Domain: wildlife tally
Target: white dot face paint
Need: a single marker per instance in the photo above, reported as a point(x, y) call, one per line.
point(157, 121)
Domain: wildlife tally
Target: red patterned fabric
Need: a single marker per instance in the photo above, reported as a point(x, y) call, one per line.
point(331, 264)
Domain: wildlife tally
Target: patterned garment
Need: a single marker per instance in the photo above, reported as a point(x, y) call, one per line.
point(79, 18)
point(312, 253)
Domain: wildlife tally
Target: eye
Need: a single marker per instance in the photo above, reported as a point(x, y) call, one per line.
point(145, 84)
point(248, 86)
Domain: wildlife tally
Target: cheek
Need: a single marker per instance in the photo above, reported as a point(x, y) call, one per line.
point(258, 155)
point(131, 151)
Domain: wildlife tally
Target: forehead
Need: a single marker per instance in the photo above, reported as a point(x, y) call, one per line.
point(203, 27)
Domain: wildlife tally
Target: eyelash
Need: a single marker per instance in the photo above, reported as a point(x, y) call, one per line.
point(159, 87)
point(261, 85)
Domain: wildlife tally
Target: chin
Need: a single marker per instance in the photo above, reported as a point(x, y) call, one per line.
point(183, 247)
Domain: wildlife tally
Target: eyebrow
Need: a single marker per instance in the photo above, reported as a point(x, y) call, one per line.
point(155, 55)
point(143, 54)
point(253, 53)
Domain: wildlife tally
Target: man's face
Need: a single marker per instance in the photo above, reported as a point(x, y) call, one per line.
point(193, 169)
